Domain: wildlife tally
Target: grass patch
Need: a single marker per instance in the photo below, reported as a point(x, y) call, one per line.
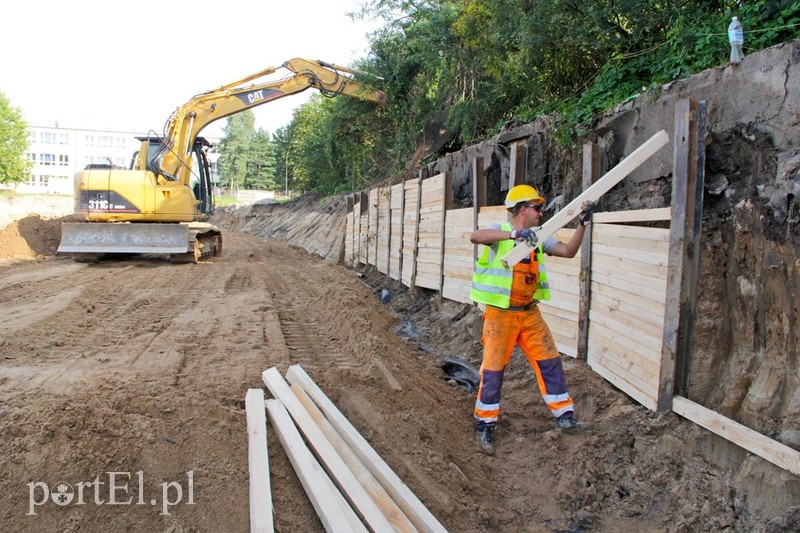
point(225, 201)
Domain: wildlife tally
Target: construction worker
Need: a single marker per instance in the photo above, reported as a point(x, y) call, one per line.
point(512, 316)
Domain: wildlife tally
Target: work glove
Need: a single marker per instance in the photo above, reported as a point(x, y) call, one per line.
point(585, 216)
point(526, 235)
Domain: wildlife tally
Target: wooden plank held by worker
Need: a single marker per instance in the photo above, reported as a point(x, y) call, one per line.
point(592, 194)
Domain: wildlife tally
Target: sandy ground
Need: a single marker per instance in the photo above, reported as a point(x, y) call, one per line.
point(141, 366)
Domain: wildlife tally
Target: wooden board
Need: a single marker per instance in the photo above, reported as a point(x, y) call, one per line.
point(627, 348)
point(396, 202)
point(382, 258)
point(646, 286)
point(334, 513)
point(348, 239)
point(458, 255)
point(645, 334)
point(431, 233)
point(372, 227)
point(612, 264)
point(356, 232)
point(624, 312)
point(390, 509)
point(651, 305)
point(363, 238)
point(632, 232)
point(634, 215)
point(593, 193)
point(351, 489)
point(773, 451)
point(419, 515)
point(624, 385)
point(410, 230)
point(492, 213)
point(258, 462)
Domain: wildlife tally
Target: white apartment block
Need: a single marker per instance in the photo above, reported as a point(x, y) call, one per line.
point(58, 154)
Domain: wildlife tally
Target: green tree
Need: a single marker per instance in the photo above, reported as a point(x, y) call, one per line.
point(235, 151)
point(262, 168)
point(14, 167)
point(282, 141)
point(483, 63)
point(334, 144)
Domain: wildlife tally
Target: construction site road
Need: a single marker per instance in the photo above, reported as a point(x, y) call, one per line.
point(122, 387)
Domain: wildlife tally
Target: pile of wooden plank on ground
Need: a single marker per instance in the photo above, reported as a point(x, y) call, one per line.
point(349, 485)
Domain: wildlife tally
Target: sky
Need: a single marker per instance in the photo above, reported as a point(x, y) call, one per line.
point(127, 66)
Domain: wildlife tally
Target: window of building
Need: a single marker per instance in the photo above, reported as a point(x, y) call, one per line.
point(63, 160)
point(31, 157)
point(105, 141)
point(121, 142)
point(63, 138)
point(89, 140)
point(47, 137)
point(47, 159)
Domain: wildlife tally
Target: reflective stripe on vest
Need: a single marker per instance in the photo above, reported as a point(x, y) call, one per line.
point(491, 281)
point(543, 288)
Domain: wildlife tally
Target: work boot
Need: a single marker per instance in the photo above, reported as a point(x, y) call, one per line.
point(570, 424)
point(485, 438)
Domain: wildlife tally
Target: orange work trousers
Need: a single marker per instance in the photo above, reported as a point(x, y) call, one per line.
point(502, 329)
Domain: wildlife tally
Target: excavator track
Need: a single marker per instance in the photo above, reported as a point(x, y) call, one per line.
point(204, 242)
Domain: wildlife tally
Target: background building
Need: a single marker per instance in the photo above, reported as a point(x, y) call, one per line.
point(58, 154)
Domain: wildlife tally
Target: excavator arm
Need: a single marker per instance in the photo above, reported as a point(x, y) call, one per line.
point(174, 160)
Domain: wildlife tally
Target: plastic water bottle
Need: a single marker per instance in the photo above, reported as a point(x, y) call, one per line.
point(736, 37)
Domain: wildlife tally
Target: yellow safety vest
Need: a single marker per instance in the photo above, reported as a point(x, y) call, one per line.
point(491, 281)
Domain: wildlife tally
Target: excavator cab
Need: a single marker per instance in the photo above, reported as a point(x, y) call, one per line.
point(202, 182)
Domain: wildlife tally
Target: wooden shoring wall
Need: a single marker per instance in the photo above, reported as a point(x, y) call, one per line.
point(458, 255)
point(627, 307)
point(561, 312)
point(411, 190)
point(396, 201)
point(431, 232)
point(372, 228)
point(631, 307)
point(382, 258)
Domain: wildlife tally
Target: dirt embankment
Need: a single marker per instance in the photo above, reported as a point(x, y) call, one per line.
point(32, 237)
point(314, 223)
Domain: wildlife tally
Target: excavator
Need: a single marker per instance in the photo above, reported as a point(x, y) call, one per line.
point(162, 203)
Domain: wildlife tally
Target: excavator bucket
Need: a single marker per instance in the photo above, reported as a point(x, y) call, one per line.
point(110, 237)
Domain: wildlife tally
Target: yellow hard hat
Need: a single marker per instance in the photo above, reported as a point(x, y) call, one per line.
point(522, 193)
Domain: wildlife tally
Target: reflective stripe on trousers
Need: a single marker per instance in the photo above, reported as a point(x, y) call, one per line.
point(501, 331)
